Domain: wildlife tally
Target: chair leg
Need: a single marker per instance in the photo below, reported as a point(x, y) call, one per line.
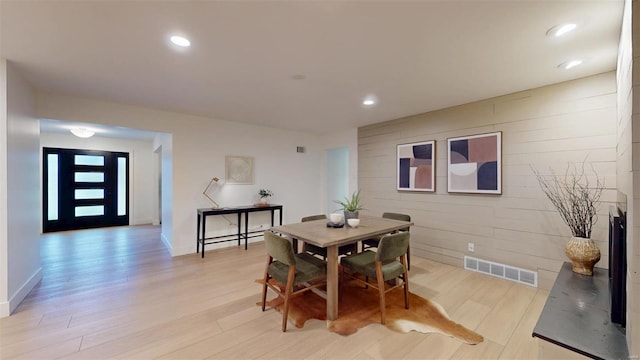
point(341, 280)
point(287, 294)
point(405, 280)
point(266, 279)
point(264, 293)
point(381, 292)
point(409, 257)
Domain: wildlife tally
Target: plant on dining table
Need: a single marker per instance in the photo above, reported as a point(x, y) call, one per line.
point(351, 204)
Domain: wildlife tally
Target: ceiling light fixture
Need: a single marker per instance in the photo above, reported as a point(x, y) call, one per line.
point(369, 101)
point(562, 29)
point(82, 132)
point(570, 64)
point(180, 41)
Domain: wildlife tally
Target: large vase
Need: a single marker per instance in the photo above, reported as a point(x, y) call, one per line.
point(583, 253)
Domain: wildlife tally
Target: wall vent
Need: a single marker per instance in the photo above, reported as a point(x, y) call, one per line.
point(300, 149)
point(512, 273)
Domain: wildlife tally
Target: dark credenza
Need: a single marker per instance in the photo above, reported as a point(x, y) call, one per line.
point(618, 265)
point(239, 211)
point(576, 316)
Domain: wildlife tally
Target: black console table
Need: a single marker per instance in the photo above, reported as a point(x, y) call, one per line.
point(576, 316)
point(239, 211)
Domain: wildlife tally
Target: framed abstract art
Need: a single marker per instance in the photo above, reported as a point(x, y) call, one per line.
point(474, 164)
point(239, 170)
point(416, 166)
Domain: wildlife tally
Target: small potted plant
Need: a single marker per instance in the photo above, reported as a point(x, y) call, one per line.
point(264, 195)
point(351, 206)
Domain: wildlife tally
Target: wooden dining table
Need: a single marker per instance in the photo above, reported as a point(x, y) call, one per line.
point(318, 233)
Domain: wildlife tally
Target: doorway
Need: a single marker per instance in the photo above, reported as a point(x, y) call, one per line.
point(84, 189)
point(337, 177)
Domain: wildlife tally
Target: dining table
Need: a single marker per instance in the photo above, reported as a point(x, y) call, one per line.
point(324, 234)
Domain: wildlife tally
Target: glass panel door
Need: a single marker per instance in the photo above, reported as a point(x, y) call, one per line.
point(84, 189)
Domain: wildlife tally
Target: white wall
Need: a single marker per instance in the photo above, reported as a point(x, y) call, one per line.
point(197, 151)
point(22, 240)
point(545, 127)
point(143, 174)
point(163, 146)
point(4, 246)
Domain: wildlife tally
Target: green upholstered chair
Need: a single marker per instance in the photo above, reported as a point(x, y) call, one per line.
point(317, 250)
point(369, 243)
point(296, 273)
point(382, 265)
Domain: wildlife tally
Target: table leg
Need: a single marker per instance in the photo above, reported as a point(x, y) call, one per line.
point(239, 228)
point(204, 226)
point(246, 229)
point(198, 236)
point(332, 282)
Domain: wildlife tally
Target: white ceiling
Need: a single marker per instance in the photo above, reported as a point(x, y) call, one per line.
point(413, 56)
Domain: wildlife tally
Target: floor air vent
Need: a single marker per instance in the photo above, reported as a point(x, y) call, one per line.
point(523, 276)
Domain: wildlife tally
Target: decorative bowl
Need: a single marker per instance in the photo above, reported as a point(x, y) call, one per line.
point(353, 222)
point(335, 218)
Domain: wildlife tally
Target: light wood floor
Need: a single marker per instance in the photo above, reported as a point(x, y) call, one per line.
point(117, 293)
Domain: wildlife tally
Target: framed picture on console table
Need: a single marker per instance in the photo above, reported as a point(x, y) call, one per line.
point(474, 164)
point(416, 166)
point(239, 170)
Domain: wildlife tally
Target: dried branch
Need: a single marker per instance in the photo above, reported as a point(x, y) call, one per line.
point(573, 196)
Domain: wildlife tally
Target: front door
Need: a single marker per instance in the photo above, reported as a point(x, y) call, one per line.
point(84, 189)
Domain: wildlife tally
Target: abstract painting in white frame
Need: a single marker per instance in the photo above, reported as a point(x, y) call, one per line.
point(474, 164)
point(416, 166)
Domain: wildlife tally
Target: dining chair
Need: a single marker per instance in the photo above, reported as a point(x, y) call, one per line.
point(294, 273)
point(317, 250)
point(369, 243)
point(382, 265)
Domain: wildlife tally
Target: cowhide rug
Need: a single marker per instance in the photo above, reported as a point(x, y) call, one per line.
point(359, 307)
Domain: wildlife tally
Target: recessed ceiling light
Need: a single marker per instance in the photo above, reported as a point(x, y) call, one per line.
point(570, 64)
point(180, 41)
point(561, 29)
point(369, 100)
point(82, 132)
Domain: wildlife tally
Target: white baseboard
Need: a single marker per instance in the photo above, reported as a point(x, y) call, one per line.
point(6, 308)
point(142, 221)
point(167, 243)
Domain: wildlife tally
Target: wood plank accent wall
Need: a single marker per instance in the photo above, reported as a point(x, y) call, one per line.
point(546, 128)
point(628, 167)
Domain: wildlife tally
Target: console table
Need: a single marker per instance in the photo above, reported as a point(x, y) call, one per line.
point(576, 319)
point(239, 211)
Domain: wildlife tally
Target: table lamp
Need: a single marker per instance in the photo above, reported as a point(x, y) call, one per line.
point(213, 181)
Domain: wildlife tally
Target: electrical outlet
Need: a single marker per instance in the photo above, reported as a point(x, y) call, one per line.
point(471, 247)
